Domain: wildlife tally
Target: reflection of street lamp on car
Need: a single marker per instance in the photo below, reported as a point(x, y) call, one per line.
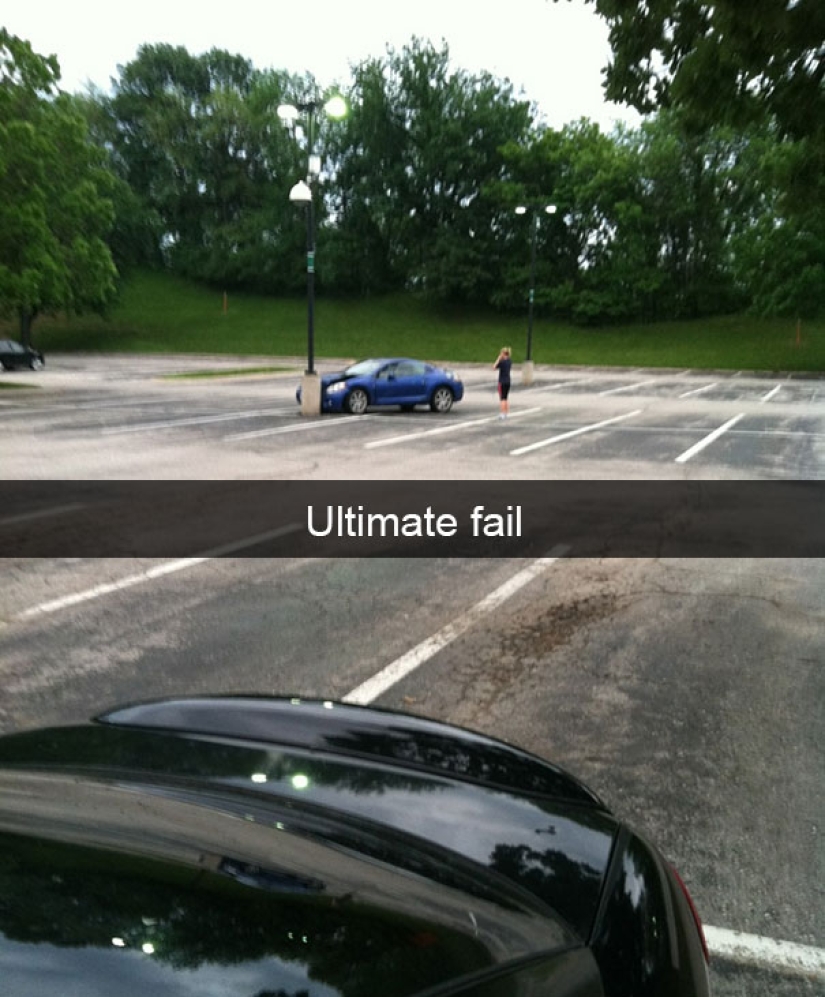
point(301, 193)
point(550, 209)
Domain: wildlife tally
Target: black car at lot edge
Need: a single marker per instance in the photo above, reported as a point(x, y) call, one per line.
point(255, 847)
point(13, 356)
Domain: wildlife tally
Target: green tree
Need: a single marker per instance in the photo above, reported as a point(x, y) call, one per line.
point(596, 258)
point(721, 61)
point(457, 124)
point(618, 272)
point(422, 143)
point(367, 248)
point(724, 62)
point(694, 192)
point(643, 222)
point(136, 232)
point(199, 142)
point(55, 211)
point(778, 251)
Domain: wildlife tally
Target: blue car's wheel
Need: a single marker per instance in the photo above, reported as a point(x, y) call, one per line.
point(442, 399)
point(357, 401)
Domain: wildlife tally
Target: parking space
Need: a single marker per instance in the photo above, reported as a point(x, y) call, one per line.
point(652, 421)
point(552, 433)
point(658, 440)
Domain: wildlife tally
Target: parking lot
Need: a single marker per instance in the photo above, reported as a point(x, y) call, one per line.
point(107, 419)
point(689, 693)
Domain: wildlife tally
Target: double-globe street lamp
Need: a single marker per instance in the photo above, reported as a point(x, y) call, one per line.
point(301, 193)
point(527, 368)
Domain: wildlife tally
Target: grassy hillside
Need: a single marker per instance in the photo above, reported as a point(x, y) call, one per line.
point(159, 313)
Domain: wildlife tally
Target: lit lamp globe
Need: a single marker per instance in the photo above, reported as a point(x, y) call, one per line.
point(336, 107)
point(288, 113)
point(300, 193)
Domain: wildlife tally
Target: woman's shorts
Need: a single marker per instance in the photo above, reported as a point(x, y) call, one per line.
point(503, 390)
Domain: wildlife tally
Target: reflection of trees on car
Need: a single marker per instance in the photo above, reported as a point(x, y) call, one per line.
point(487, 762)
point(549, 873)
point(74, 896)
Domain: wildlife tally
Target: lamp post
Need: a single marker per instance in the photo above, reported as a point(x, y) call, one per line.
point(301, 193)
point(527, 368)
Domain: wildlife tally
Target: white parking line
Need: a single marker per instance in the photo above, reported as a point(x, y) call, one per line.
point(370, 690)
point(628, 387)
point(574, 432)
point(100, 406)
point(145, 427)
point(563, 384)
point(55, 510)
point(770, 394)
point(94, 406)
point(300, 427)
point(170, 567)
point(695, 449)
point(698, 391)
point(767, 952)
point(451, 428)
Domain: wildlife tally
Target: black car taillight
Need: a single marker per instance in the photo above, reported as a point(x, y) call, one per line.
point(693, 911)
point(647, 937)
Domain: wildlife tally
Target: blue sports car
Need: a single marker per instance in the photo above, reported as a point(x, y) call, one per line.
point(398, 381)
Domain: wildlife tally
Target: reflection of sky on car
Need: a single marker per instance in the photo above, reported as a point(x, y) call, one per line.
point(476, 824)
point(89, 972)
point(469, 819)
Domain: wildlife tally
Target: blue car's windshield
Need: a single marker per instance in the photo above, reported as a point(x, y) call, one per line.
point(362, 368)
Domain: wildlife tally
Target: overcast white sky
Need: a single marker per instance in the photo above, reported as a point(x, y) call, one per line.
point(553, 52)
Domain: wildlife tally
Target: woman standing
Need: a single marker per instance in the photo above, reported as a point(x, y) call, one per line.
point(502, 365)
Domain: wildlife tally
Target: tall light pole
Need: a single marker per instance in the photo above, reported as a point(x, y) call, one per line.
point(301, 193)
point(527, 368)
